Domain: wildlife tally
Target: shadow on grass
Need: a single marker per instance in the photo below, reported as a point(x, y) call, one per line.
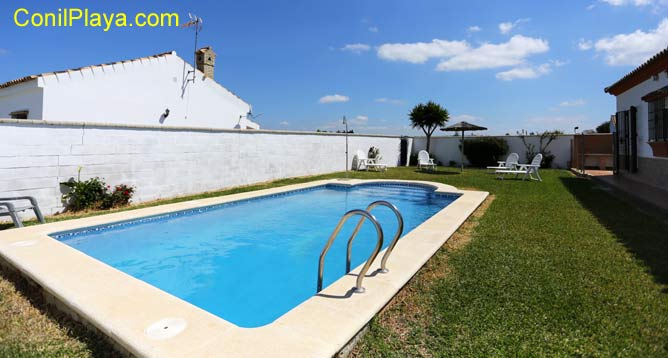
point(644, 235)
point(96, 344)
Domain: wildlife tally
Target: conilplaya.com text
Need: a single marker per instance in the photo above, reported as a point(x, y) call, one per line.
point(70, 17)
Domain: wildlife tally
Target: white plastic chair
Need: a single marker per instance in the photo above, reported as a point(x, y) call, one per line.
point(425, 162)
point(527, 170)
point(375, 164)
point(361, 160)
point(509, 164)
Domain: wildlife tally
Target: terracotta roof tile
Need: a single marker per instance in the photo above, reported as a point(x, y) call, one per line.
point(654, 65)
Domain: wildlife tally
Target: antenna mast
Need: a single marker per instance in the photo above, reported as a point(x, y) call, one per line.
point(196, 23)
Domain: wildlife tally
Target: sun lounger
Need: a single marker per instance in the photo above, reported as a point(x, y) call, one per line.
point(526, 170)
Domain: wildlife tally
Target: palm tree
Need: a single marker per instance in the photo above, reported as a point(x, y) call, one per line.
point(428, 117)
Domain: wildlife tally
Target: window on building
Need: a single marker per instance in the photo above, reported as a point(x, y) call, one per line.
point(658, 119)
point(23, 114)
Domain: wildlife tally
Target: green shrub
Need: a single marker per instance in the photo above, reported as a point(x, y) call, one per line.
point(544, 141)
point(120, 196)
point(82, 195)
point(482, 152)
point(603, 127)
point(374, 153)
point(94, 193)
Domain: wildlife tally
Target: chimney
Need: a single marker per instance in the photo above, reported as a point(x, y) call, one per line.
point(206, 61)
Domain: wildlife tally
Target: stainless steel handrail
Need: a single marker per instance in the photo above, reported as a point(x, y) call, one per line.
point(335, 233)
point(388, 252)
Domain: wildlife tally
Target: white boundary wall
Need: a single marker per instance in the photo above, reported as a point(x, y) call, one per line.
point(446, 149)
point(163, 162)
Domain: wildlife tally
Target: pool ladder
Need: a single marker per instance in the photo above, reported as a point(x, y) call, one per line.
point(365, 214)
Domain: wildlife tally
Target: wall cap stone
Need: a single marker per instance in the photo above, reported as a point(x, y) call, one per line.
point(38, 123)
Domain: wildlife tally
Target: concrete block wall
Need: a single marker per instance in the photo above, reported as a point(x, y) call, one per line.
point(653, 171)
point(446, 148)
point(35, 156)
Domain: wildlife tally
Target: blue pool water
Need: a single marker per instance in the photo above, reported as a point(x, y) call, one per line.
point(251, 261)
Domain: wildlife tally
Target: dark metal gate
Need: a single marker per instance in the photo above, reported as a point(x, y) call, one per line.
point(626, 145)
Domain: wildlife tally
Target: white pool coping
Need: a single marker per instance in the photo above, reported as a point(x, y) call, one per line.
point(130, 311)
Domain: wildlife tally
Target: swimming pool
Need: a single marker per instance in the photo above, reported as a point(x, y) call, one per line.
point(251, 261)
point(145, 321)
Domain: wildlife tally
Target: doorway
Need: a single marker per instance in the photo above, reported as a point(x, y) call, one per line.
point(626, 145)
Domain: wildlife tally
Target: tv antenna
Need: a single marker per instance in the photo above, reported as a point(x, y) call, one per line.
point(196, 23)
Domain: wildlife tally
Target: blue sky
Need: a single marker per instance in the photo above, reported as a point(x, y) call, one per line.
point(510, 65)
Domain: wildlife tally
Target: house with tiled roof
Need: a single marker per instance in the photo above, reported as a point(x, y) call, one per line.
point(641, 122)
point(158, 90)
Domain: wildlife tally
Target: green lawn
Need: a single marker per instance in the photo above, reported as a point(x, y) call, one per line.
point(558, 268)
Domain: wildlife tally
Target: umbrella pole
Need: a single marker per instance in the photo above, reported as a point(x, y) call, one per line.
point(461, 153)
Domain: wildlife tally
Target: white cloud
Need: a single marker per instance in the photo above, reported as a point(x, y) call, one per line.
point(585, 45)
point(506, 27)
point(573, 103)
point(657, 7)
point(284, 123)
point(388, 100)
point(557, 63)
point(461, 56)
point(628, 2)
point(473, 29)
point(524, 72)
point(359, 120)
point(356, 48)
point(333, 98)
point(373, 29)
point(420, 52)
point(465, 117)
point(633, 48)
point(511, 53)
point(591, 6)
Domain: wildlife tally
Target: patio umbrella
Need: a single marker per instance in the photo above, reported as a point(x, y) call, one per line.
point(462, 127)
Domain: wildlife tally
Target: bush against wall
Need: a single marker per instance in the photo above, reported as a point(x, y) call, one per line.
point(544, 141)
point(94, 193)
point(83, 194)
point(120, 196)
point(374, 153)
point(482, 152)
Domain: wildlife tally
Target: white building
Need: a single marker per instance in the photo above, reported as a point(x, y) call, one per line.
point(157, 90)
point(641, 136)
